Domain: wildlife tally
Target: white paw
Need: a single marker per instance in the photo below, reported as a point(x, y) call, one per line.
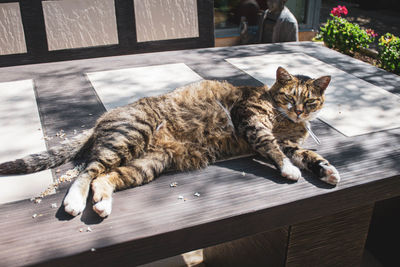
point(74, 202)
point(103, 208)
point(330, 174)
point(290, 171)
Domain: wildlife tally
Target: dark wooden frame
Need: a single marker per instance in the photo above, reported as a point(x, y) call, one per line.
point(37, 47)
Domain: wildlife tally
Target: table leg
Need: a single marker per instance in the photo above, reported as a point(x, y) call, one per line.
point(264, 249)
point(334, 240)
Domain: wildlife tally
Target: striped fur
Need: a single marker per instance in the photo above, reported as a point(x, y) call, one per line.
point(187, 129)
point(49, 159)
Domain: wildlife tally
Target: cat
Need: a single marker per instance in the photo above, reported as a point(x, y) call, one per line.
point(188, 129)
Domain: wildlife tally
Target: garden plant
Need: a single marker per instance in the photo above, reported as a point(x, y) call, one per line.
point(346, 37)
point(343, 35)
point(389, 52)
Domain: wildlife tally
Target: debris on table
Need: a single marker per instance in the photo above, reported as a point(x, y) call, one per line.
point(80, 230)
point(92, 249)
point(47, 138)
point(197, 194)
point(174, 184)
point(89, 229)
point(243, 174)
point(75, 132)
point(61, 134)
point(37, 200)
point(54, 205)
point(182, 198)
point(36, 215)
point(67, 177)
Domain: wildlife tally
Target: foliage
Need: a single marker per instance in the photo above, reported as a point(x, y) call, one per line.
point(389, 52)
point(347, 37)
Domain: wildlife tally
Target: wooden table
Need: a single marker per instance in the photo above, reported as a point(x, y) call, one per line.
point(323, 224)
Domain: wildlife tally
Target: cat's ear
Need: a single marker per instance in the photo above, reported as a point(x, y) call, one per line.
point(322, 83)
point(283, 75)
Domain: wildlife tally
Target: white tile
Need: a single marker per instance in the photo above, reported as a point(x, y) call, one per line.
point(80, 23)
point(120, 87)
point(353, 106)
point(12, 37)
point(165, 19)
point(20, 134)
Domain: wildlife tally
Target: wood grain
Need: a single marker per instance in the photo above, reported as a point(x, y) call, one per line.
point(334, 240)
point(264, 249)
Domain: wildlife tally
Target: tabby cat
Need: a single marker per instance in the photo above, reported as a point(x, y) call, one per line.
point(188, 129)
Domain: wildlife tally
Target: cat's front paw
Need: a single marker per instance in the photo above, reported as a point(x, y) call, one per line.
point(329, 173)
point(290, 171)
point(74, 202)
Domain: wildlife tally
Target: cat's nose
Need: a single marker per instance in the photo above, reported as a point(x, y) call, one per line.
point(298, 112)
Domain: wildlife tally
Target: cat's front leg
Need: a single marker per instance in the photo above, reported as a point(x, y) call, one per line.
point(263, 141)
point(328, 173)
point(309, 160)
point(290, 171)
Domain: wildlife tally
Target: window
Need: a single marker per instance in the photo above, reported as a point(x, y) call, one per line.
point(228, 13)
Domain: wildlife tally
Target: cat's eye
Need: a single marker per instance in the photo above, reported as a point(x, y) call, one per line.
point(310, 101)
point(289, 98)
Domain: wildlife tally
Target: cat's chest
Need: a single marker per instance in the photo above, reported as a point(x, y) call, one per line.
point(287, 130)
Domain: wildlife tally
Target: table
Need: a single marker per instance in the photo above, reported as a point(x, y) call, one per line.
point(239, 197)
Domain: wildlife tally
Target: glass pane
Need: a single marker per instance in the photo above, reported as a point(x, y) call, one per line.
point(227, 13)
point(298, 8)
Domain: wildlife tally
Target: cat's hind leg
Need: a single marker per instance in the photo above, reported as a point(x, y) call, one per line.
point(135, 173)
point(75, 200)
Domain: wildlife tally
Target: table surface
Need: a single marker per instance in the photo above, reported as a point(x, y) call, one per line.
point(150, 222)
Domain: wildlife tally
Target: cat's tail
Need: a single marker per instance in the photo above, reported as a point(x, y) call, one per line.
point(54, 157)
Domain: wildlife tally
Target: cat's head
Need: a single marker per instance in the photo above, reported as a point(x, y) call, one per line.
point(299, 97)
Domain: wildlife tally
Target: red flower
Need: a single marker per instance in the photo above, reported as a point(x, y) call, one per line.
point(339, 10)
point(344, 10)
point(335, 12)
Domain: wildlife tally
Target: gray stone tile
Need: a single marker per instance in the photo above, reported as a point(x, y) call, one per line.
point(120, 87)
point(353, 106)
point(20, 134)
